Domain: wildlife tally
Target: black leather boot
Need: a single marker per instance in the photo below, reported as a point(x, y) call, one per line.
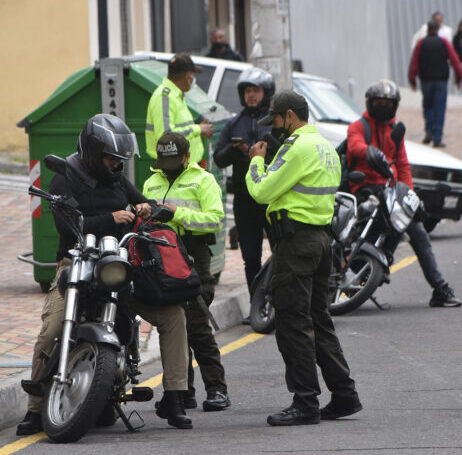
point(171, 407)
point(31, 424)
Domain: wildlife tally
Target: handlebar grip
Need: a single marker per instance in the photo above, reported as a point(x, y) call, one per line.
point(34, 191)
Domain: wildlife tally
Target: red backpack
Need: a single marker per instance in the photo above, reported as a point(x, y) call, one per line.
point(161, 274)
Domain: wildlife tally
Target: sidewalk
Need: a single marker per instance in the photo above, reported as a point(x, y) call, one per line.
point(21, 303)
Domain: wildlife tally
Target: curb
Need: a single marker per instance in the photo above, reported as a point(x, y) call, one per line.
point(227, 311)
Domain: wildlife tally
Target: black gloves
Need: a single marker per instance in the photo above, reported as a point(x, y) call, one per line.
point(377, 161)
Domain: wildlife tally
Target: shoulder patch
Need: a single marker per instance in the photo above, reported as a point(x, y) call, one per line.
point(290, 140)
point(166, 90)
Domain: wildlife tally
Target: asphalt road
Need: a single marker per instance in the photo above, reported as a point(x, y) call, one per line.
point(407, 363)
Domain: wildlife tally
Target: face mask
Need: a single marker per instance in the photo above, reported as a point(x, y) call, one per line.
point(218, 47)
point(382, 113)
point(280, 134)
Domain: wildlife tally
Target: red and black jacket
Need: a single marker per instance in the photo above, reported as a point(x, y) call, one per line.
point(380, 138)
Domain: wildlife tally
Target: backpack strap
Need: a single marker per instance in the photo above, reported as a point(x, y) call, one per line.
point(367, 130)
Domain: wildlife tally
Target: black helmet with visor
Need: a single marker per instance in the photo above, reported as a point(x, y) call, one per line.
point(105, 134)
point(383, 90)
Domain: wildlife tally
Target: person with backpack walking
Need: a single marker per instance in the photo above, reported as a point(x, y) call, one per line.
point(376, 135)
point(195, 198)
point(430, 62)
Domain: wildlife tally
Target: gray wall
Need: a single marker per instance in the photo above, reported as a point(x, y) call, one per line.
point(361, 40)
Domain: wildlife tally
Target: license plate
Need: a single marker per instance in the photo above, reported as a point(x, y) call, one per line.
point(450, 202)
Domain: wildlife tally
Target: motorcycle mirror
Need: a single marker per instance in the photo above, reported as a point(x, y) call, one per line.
point(56, 164)
point(356, 177)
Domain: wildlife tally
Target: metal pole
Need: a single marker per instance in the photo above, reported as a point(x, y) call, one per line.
point(271, 39)
point(103, 29)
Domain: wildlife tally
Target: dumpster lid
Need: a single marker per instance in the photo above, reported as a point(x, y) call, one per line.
point(67, 89)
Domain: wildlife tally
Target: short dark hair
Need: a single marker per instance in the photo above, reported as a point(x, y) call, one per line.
point(302, 113)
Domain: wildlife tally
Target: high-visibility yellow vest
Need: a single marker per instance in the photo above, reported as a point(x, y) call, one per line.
point(168, 111)
point(195, 193)
point(302, 178)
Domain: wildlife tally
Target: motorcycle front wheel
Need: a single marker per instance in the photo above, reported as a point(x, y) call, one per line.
point(363, 277)
point(71, 409)
point(261, 310)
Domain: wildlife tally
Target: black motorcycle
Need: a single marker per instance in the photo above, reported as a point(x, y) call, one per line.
point(360, 265)
point(96, 356)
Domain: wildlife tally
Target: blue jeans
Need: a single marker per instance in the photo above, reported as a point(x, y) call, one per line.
point(434, 105)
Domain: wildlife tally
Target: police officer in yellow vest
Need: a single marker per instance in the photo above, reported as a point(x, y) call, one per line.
point(195, 197)
point(299, 186)
point(168, 111)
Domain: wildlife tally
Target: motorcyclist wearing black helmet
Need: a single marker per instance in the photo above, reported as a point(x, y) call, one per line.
point(255, 88)
point(95, 180)
point(386, 146)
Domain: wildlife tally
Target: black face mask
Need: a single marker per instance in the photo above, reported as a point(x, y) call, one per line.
point(101, 173)
point(173, 174)
point(218, 47)
point(280, 134)
point(382, 113)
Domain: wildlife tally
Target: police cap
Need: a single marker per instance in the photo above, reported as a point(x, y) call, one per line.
point(281, 102)
point(171, 148)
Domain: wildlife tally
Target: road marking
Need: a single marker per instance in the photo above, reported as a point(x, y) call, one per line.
point(151, 382)
point(226, 349)
point(403, 263)
point(21, 443)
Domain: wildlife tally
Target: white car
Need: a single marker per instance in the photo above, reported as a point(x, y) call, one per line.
point(437, 175)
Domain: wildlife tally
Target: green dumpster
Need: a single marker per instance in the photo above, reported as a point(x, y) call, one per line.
point(121, 87)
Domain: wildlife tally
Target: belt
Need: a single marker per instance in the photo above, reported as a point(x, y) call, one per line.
point(299, 226)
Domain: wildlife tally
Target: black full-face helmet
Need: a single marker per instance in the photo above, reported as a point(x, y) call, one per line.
point(384, 89)
point(105, 134)
point(258, 78)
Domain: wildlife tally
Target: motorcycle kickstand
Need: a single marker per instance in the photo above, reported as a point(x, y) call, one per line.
point(380, 306)
point(126, 420)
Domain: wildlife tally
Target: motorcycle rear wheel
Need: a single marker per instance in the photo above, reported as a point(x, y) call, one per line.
point(368, 277)
point(70, 410)
point(261, 310)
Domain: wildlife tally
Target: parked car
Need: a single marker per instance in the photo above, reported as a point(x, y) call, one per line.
point(437, 175)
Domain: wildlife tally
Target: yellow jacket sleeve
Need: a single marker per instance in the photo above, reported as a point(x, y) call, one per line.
point(211, 216)
point(282, 174)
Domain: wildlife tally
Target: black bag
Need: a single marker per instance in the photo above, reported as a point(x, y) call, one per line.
point(162, 274)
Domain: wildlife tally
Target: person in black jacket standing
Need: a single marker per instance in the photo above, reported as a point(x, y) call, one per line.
point(430, 62)
point(94, 178)
point(220, 47)
point(255, 88)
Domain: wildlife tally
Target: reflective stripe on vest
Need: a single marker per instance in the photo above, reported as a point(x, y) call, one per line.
point(318, 191)
point(195, 205)
point(195, 225)
point(149, 127)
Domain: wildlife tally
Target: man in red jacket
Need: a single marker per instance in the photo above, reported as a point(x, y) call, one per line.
point(430, 62)
point(382, 101)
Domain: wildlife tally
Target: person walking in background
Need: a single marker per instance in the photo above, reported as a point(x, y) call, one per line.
point(255, 88)
point(457, 41)
point(444, 30)
point(168, 111)
point(220, 47)
point(430, 63)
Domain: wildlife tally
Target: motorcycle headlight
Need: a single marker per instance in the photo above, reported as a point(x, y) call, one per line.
point(113, 272)
point(398, 218)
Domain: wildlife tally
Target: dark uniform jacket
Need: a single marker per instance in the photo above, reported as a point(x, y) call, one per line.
point(228, 54)
point(242, 125)
point(96, 201)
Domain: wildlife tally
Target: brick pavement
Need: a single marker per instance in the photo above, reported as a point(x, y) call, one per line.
point(21, 299)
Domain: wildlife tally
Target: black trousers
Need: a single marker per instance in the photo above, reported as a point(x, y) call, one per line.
point(418, 238)
point(200, 337)
point(250, 219)
point(305, 333)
